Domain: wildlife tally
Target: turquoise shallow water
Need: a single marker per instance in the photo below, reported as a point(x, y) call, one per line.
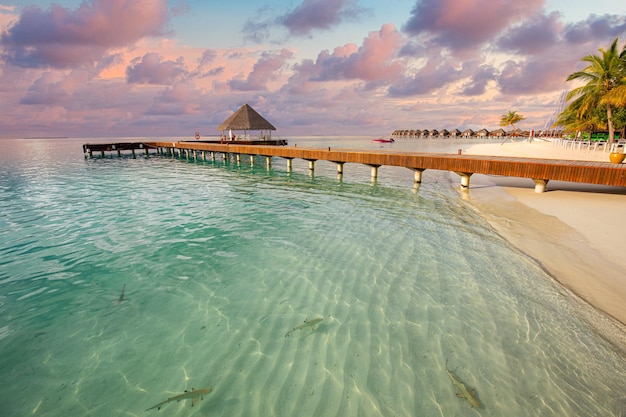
point(218, 262)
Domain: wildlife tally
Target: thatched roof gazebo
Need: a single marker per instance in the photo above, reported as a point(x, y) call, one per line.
point(246, 119)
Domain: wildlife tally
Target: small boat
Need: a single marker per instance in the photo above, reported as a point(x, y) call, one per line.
point(382, 140)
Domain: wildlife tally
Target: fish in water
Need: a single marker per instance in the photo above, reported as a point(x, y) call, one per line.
point(307, 323)
point(121, 298)
point(194, 395)
point(469, 395)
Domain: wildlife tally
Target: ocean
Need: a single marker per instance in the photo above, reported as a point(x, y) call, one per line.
point(128, 281)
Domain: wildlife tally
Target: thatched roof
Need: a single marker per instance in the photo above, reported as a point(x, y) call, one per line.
point(246, 118)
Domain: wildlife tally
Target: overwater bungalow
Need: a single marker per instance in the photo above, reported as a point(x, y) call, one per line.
point(482, 133)
point(468, 133)
point(498, 133)
point(444, 133)
point(455, 133)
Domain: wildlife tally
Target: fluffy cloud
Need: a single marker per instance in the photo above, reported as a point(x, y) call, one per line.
point(467, 24)
point(311, 15)
point(479, 80)
point(375, 61)
point(307, 17)
point(533, 76)
point(151, 69)
point(265, 70)
point(536, 35)
point(437, 73)
point(596, 27)
point(47, 90)
point(64, 38)
point(180, 99)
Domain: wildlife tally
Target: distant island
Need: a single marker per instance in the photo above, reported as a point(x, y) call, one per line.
point(47, 137)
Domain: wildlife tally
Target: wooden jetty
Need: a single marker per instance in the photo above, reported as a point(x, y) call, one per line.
point(539, 170)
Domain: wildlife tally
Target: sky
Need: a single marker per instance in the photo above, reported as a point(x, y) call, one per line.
point(158, 68)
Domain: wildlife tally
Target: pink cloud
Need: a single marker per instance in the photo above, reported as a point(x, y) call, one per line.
point(180, 99)
point(265, 70)
point(534, 35)
point(151, 69)
point(479, 80)
point(47, 90)
point(374, 61)
point(304, 19)
point(437, 73)
point(535, 76)
point(64, 38)
point(463, 24)
point(596, 28)
point(319, 14)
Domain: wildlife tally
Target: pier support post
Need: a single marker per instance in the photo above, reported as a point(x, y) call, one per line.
point(289, 164)
point(311, 165)
point(340, 168)
point(465, 179)
point(133, 153)
point(238, 157)
point(212, 156)
point(268, 162)
point(417, 179)
point(540, 185)
point(374, 171)
point(251, 160)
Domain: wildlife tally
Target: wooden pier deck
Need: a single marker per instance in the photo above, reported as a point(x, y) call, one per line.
point(539, 170)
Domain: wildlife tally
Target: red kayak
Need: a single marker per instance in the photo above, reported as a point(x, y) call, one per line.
point(381, 140)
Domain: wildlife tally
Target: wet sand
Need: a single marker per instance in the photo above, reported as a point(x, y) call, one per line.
point(574, 230)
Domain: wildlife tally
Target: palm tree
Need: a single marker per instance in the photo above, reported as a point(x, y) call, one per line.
point(511, 118)
point(604, 74)
point(570, 120)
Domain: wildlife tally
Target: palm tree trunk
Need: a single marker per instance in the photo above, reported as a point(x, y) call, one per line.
point(609, 116)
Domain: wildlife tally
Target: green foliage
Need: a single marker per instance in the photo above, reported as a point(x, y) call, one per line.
point(599, 103)
point(511, 118)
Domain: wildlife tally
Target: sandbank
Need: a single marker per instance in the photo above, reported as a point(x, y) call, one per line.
point(575, 231)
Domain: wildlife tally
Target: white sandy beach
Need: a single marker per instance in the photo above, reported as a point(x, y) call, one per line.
point(574, 230)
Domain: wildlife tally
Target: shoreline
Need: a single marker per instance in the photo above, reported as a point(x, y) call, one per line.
point(571, 230)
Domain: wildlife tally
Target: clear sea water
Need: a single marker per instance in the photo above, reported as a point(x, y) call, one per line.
point(218, 262)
